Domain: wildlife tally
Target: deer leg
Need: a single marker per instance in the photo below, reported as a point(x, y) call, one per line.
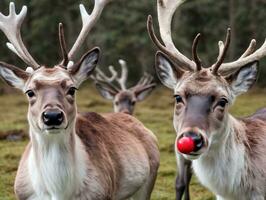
point(188, 174)
point(180, 181)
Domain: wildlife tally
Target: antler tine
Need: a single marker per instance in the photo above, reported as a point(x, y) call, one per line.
point(11, 26)
point(222, 53)
point(109, 85)
point(145, 81)
point(63, 45)
point(164, 49)
point(166, 10)
point(104, 77)
point(250, 49)
point(228, 68)
point(124, 74)
point(88, 21)
point(148, 79)
point(101, 77)
point(194, 52)
point(221, 48)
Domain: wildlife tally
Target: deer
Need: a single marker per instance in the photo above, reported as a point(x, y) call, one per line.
point(228, 154)
point(124, 99)
point(71, 155)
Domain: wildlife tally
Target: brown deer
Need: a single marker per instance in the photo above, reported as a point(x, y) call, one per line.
point(228, 154)
point(124, 99)
point(70, 155)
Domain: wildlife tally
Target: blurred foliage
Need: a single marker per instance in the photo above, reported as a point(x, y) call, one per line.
point(121, 30)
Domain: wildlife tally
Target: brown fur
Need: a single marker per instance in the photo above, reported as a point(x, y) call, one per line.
point(105, 137)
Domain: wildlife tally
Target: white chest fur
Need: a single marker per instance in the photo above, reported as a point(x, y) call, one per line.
point(57, 170)
point(222, 170)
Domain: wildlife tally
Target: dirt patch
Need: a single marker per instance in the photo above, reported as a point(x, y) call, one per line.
point(13, 135)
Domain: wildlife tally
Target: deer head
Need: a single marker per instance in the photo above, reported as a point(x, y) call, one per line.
point(202, 94)
point(123, 99)
point(50, 91)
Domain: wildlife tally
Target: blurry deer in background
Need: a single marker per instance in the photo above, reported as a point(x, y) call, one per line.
point(229, 154)
point(123, 98)
point(70, 155)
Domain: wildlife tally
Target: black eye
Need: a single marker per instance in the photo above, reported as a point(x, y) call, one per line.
point(178, 99)
point(222, 103)
point(71, 91)
point(116, 103)
point(133, 103)
point(30, 93)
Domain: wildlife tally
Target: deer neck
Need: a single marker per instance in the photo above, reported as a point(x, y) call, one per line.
point(57, 162)
point(229, 138)
point(226, 151)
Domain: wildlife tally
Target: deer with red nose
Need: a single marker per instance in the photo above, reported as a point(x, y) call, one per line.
point(228, 154)
point(124, 99)
point(71, 155)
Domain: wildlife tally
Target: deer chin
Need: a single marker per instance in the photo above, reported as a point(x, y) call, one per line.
point(55, 129)
point(195, 155)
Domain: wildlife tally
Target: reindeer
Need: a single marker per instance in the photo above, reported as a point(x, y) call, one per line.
point(124, 99)
point(228, 154)
point(70, 155)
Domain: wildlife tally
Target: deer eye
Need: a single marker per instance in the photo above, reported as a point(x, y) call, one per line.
point(30, 93)
point(178, 99)
point(133, 103)
point(222, 103)
point(71, 91)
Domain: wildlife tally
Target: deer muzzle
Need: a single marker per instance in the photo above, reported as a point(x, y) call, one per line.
point(53, 118)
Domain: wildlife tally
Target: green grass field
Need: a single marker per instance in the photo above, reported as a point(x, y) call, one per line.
point(155, 113)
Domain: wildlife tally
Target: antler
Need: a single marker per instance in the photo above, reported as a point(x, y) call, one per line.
point(88, 21)
point(222, 52)
point(63, 45)
point(11, 25)
point(194, 52)
point(166, 9)
point(102, 78)
point(248, 56)
point(145, 82)
point(124, 74)
point(145, 79)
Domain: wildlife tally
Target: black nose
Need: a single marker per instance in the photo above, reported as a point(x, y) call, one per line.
point(53, 118)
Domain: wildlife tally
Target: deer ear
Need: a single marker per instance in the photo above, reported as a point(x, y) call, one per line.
point(105, 91)
point(242, 80)
point(143, 92)
point(168, 74)
point(13, 76)
point(82, 70)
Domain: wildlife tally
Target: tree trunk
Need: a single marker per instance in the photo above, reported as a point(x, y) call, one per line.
point(232, 14)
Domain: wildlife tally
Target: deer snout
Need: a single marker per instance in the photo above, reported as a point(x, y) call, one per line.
point(53, 117)
point(190, 142)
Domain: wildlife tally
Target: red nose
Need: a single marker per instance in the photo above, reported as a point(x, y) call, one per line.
point(186, 145)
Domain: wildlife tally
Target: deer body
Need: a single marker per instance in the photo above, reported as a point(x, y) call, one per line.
point(88, 164)
point(227, 154)
point(70, 155)
point(237, 164)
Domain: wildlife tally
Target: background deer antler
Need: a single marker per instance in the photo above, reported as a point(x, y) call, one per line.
point(11, 25)
point(101, 77)
point(146, 81)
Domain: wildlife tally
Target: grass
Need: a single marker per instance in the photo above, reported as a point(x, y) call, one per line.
point(155, 112)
